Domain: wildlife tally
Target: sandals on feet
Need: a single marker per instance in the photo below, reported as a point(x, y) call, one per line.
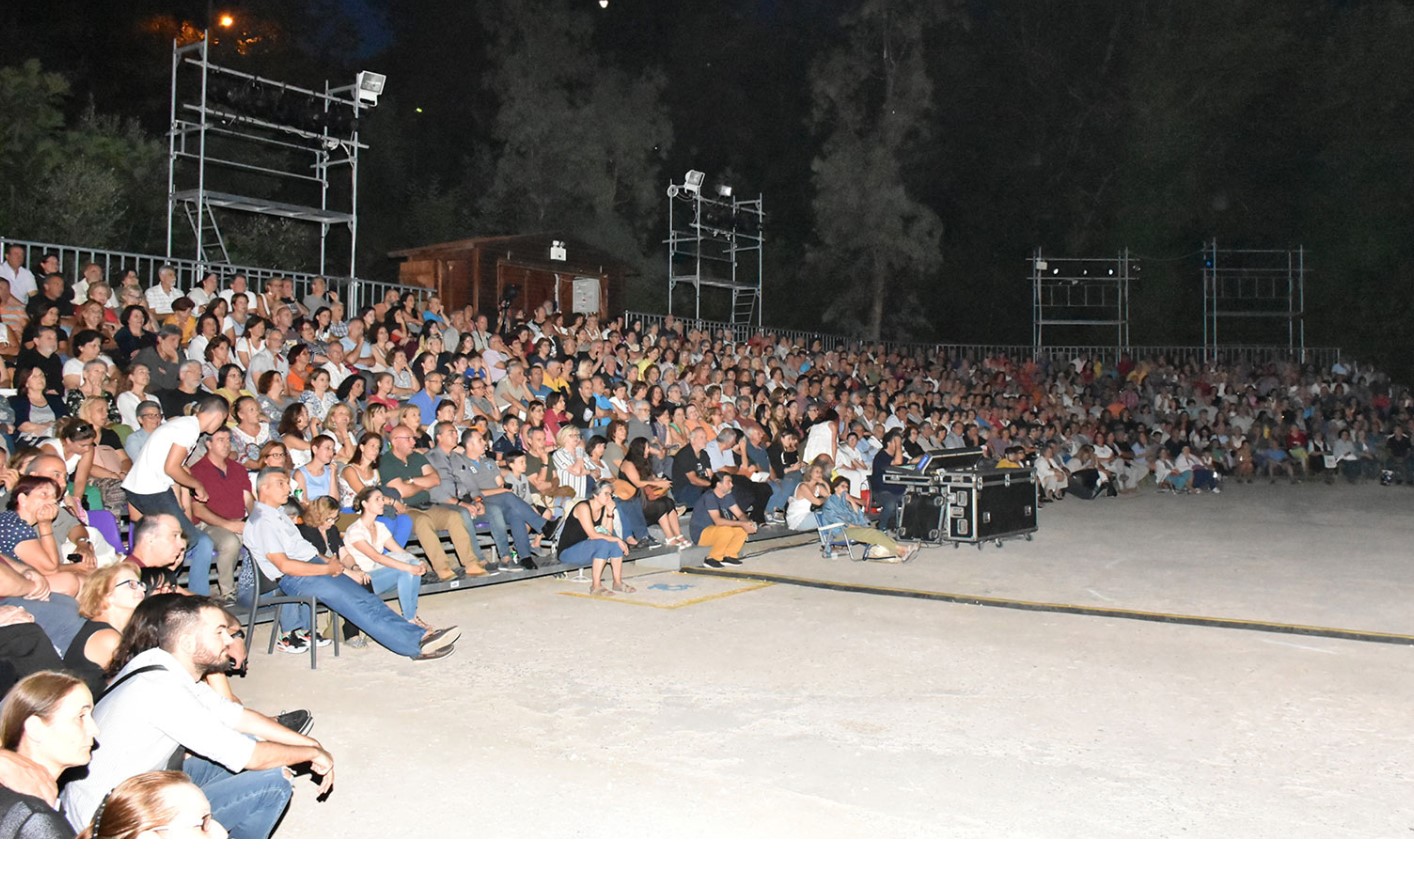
point(601, 591)
point(624, 587)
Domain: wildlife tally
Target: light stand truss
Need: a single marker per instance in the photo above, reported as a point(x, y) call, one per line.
point(243, 125)
point(1254, 284)
point(716, 242)
point(1081, 292)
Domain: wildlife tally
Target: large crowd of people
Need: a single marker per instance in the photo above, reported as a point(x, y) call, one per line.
point(173, 455)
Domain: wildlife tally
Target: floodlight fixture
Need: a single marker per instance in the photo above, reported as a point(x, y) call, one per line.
point(693, 182)
point(724, 190)
point(368, 86)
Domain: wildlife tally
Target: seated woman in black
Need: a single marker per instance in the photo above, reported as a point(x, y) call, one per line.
point(107, 599)
point(588, 539)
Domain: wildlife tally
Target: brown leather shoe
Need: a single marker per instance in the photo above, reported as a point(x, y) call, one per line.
point(475, 569)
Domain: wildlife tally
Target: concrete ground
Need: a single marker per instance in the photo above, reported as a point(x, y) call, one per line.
point(709, 706)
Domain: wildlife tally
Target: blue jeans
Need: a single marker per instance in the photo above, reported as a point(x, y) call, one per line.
point(888, 502)
point(354, 602)
point(504, 510)
point(200, 548)
point(586, 551)
point(688, 495)
point(247, 804)
point(781, 491)
point(634, 522)
point(59, 617)
point(408, 583)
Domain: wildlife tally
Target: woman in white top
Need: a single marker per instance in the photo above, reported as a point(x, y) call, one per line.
point(249, 434)
point(810, 494)
point(339, 426)
point(373, 549)
point(571, 463)
point(251, 342)
point(136, 393)
point(207, 328)
point(295, 432)
point(362, 471)
point(404, 384)
point(850, 465)
point(822, 439)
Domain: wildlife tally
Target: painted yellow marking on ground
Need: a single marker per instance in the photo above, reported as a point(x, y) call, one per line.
point(626, 598)
point(1076, 609)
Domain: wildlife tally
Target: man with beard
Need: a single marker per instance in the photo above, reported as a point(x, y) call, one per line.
point(160, 713)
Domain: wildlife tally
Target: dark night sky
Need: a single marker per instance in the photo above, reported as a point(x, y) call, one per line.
point(1082, 127)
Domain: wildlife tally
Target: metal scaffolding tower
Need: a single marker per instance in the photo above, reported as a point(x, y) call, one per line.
point(716, 242)
point(252, 136)
point(1256, 284)
point(1081, 292)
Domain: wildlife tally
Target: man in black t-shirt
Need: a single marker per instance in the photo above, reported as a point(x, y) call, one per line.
point(692, 470)
point(1400, 454)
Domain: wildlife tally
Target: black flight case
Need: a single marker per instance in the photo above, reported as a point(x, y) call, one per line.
point(988, 505)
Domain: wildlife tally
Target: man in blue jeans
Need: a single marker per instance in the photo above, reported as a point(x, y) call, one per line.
point(161, 466)
point(159, 711)
point(281, 551)
point(504, 509)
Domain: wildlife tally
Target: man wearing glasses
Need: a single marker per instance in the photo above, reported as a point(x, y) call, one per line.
point(149, 417)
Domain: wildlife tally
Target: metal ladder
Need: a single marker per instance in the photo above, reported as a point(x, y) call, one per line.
point(209, 238)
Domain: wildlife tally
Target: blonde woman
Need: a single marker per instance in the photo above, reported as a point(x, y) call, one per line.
point(107, 599)
point(571, 462)
point(338, 424)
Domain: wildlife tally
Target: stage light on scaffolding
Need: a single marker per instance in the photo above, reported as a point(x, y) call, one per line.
point(368, 86)
point(1042, 265)
point(724, 190)
point(693, 182)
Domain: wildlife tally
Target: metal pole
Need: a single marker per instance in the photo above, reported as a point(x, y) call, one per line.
point(353, 201)
point(760, 259)
point(172, 150)
point(1215, 298)
point(672, 251)
point(1036, 305)
point(1301, 287)
point(697, 221)
point(201, 151)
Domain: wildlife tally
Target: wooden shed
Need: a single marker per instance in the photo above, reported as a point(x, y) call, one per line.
point(576, 276)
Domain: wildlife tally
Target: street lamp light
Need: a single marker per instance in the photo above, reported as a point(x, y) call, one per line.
point(226, 21)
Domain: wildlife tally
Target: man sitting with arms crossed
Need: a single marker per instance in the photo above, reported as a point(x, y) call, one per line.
point(151, 484)
point(456, 484)
point(503, 507)
point(407, 473)
point(158, 705)
point(228, 503)
point(282, 552)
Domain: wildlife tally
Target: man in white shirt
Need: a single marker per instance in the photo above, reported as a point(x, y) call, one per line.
point(161, 295)
point(92, 274)
point(151, 484)
point(22, 283)
point(338, 372)
point(159, 705)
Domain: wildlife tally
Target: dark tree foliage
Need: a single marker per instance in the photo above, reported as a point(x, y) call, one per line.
point(1083, 127)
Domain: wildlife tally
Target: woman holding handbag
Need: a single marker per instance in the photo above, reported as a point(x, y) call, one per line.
point(658, 507)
